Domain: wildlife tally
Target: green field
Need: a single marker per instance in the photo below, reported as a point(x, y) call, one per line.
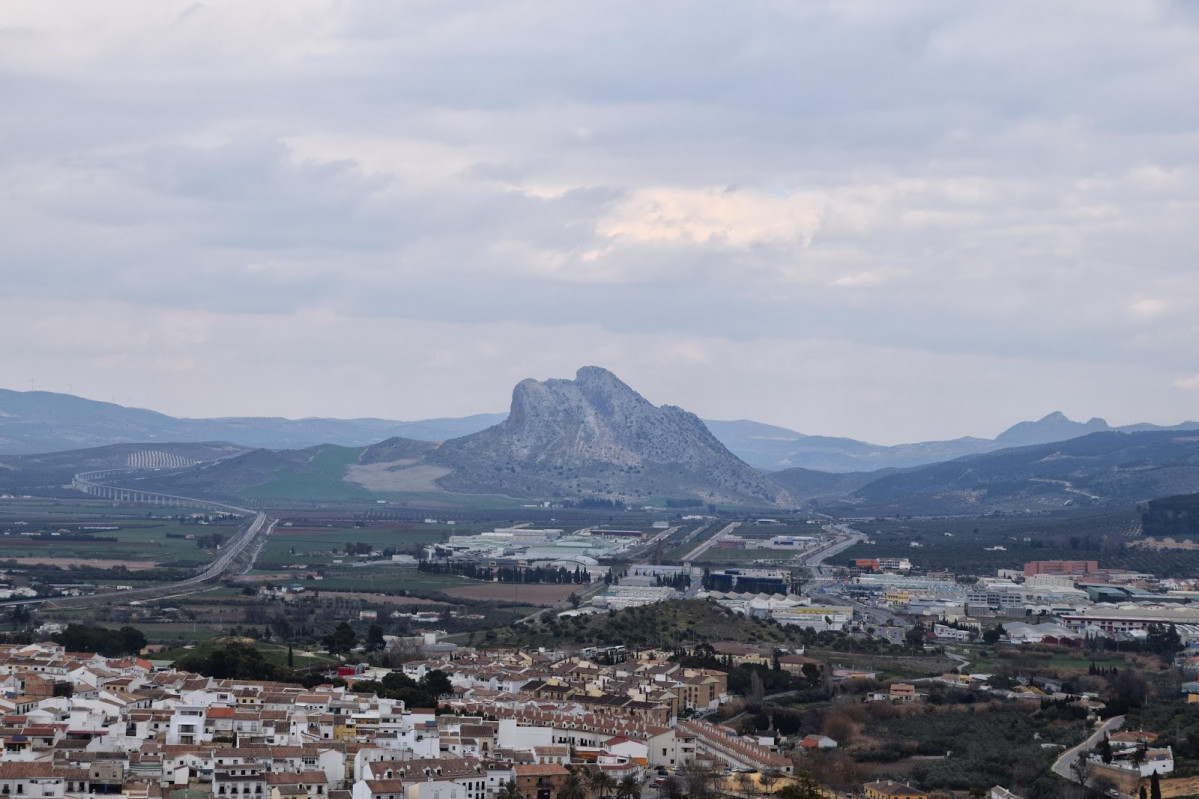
point(986, 660)
point(139, 539)
point(715, 556)
point(58, 509)
point(322, 479)
point(448, 500)
point(323, 545)
point(677, 546)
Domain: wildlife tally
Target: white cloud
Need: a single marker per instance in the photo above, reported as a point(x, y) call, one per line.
point(1149, 308)
point(859, 280)
point(720, 217)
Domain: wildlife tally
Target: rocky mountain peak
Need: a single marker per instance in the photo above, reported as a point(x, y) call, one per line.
point(1055, 426)
point(606, 440)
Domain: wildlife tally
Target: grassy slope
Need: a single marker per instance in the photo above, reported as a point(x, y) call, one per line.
point(320, 478)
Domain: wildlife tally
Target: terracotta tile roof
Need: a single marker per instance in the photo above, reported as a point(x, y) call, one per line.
point(26, 771)
point(538, 770)
point(385, 786)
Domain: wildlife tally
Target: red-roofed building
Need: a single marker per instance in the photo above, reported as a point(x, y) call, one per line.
point(538, 781)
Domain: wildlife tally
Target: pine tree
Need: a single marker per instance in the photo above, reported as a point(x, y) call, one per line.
point(1105, 750)
point(1155, 787)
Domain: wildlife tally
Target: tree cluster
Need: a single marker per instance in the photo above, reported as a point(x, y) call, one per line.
point(414, 693)
point(555, 575)
point(679, 581)
point(209, 541)
point(102, 640)
point(594, 503)
point(238, 660)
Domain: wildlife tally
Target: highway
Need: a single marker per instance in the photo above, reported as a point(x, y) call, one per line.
point(890, 625)
point(248, 541)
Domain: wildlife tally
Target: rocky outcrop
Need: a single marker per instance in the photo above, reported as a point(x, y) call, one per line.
point(595, 437)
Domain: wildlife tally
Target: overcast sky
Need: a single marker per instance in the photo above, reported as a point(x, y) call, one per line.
point(896, 221)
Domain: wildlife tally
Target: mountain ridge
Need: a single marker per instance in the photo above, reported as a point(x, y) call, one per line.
point(1102, 469)
point(768, 448)
point(594, 436)
point(36, 422)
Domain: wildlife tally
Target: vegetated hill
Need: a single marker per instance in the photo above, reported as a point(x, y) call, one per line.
point(43, 421)
point(596, 437)
point(1100, 469)
point(773, 449)
point(395, 449)
point(316, 473)
point(1174, 517)
point(664, 626)
point(48, 474)
point(809, 484)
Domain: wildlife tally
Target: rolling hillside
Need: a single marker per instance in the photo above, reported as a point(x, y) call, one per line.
point(1101, 469)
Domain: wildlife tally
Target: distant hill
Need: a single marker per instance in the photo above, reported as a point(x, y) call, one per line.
point(50, 474)
point(808, 484)
point(1100, 469)
point(774, 449)
point(41, 421)
point(595, 437)
point(1047, 429)
point(316, 473)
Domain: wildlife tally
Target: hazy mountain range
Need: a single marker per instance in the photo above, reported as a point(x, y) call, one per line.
point(1100, 469)
point(596, 438)
point(40, 421)
point(776, 448)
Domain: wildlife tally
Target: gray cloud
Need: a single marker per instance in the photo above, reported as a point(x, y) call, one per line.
point(939, 193)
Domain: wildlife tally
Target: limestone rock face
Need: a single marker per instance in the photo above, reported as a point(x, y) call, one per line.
point(596, 437)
